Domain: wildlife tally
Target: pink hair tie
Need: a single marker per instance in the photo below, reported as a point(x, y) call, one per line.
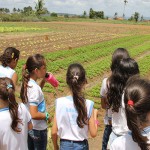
point(130, 102)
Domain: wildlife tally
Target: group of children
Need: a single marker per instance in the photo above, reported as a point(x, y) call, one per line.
point(24, 125)
point(124, 96)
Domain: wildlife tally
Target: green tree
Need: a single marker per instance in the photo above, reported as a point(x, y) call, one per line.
point(115, 15)
point(27, 10)
point(39, 7)
point(142, 18)
point(66, 16)
point(91, 13)
point(99, 14)
point(84, 13)
point(53, 14)
point(136, 16)
point(14, 10)
point(131, 18)
point(18, 10)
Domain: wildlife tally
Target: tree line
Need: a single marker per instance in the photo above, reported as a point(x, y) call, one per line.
point(41, 10)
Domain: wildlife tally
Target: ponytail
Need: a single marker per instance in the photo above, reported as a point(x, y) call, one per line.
point(76, 79)
point(7, 90)
point(13, 109)
point(137, 104)
point(80, 104)
point(133, 124)
point(33, 62)
point(25, 80)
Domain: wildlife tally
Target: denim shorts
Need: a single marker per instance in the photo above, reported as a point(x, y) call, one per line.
point(37, 139)
point(73, 145)
point(106, 134)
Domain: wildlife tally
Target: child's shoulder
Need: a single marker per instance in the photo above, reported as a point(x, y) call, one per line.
point(22, 106)
point(64, 98)
point(89, 101)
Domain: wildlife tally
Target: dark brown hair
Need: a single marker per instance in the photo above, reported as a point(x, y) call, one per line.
point(9, 54)
point(138, 91)
point(119, 54)
point(33, 62)
point(7, 93)
point(76, 79)
point(117, 82)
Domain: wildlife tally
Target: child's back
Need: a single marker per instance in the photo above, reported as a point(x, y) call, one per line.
point(11, 140)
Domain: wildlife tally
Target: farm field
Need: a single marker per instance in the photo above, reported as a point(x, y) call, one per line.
point(88, 43)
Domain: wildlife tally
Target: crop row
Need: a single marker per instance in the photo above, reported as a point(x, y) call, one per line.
point(95, 57)
point(18, 29)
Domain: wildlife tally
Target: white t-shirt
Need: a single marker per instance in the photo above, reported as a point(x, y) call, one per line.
point(6, 72)
point(103, 94)
point(119, 121)
point(9, 139)
point(36, 98)
point(66, 116)
point(126, 142)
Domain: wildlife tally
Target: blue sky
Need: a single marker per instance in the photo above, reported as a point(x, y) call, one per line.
point(78, 6)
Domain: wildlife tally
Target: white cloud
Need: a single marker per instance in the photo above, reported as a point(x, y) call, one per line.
point(147, 1)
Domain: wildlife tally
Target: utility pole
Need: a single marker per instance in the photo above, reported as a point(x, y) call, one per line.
point(125, 2)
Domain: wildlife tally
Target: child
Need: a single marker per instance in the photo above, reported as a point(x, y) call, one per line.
point(15, 119)
point(32, 95)
point(74, 115)
point(9, 60)
point(118, 55)
point(117, 81)
point(137, 108)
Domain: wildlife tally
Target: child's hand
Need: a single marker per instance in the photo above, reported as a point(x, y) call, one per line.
point(49, 120)
point(95, 117)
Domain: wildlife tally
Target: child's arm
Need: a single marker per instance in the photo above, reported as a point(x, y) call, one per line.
point(103, 92)
point(36, 114)
point(30, 126)
point(103, 102)
point(54, 134)
point(93, 123)
point(15, 78)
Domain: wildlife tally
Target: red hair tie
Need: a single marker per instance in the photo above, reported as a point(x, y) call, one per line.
point(130, 102)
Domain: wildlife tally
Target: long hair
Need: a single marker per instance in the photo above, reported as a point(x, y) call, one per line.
point(119, 54)
point(7, 93)
point(137, 91)
point(33, 62)
point(9, 54)
point(117, 81)
point(76, 79)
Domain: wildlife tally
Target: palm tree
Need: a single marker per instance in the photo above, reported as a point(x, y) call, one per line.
point(136, 16)
point(125, 2)
point(39, 7)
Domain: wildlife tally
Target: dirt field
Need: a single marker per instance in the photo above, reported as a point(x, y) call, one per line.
point(65, 35)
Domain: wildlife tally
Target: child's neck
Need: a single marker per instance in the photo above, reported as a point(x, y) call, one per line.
point(33, 77)
point(146, 124)
point(10, 65)
point(3, 104)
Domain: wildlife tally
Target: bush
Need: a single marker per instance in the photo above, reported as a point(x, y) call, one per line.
point(4, 17)
point(53, 14)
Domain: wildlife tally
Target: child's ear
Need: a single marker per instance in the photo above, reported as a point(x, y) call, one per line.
point(35, 70)
point(16, 60)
